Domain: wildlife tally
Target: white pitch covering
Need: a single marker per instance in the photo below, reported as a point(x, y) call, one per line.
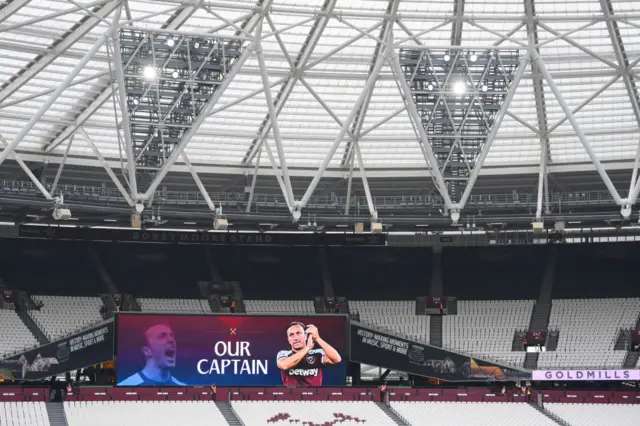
point(23, 414)
point(597, 414)
point(135, 413)
point(259, 413)
point(14, 335)
point(485, 328)
point(174, 305)
point(62, 315)
point(471, 414)
point(280, 306)
point(588, 332)
point(394, 315)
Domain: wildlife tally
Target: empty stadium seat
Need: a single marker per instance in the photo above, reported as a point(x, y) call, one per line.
point(393, 315)
point(14, 335)
point(23, 414)
point(485, 328)
point(471, 414)
point(287, 412)
point(588, 332)
point(135, 413)
point(62, 315)
point(174, 305)
point(597, 414)
point(280, 306)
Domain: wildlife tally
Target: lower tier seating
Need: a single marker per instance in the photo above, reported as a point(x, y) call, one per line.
point(471, 414)
point(23, 414)
point(597, 414)
point(310, 413)
point(135, 413)
point(14, 335)
point(485, 328)
point(588, 332)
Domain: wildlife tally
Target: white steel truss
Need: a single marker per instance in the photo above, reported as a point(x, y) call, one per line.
point(335, 97)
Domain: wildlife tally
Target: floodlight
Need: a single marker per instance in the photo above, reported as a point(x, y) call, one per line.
point(473, 57)
point(149, 72)
point(447, 57)
point(174, 74)
point(459, 87)
point(171, 42)
point(485, 87)
point(430, 86)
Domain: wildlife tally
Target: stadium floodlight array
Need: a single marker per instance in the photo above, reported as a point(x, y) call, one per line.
point(458, 94)
point(169, 79)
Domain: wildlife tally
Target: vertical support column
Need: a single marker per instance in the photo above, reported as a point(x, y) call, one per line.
point(427, 150)
point(273, 116)
point(494, 130)
point(122, 95)
point(343, 130)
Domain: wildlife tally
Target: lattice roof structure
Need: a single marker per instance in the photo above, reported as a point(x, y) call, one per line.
point(338, 129)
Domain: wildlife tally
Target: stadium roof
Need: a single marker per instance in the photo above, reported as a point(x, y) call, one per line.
point(318, 56)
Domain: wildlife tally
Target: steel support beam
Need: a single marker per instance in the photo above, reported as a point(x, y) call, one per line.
point(492, 134)
point(175, 22)
point(198, 182)
point(541, 110)
point(300, 62)
point(55, 50)
point(28, 171)
point(456, 28)
point(54, 96)
point(273, 118)
point(423, 139)
point(254, 179)
point(122, 98)
point(235, 68)
point(106, 167)
point(392, 9)
point(12, 8)
point(343, 130)
point(61, 166)
point(629, 81)
point(583, 139)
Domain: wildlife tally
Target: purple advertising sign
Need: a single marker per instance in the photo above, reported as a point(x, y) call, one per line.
point(562, 375)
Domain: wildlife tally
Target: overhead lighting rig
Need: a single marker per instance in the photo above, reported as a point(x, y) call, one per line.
point(169, 80)
point(458, 93)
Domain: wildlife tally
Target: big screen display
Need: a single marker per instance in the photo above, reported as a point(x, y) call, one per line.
point(231, 350)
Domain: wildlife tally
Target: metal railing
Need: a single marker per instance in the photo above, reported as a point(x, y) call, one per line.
point(106, 194)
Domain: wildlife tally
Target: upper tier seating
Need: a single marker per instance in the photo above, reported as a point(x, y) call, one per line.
point(597, 414)
point(471, 414)
point(23, 414)
point(14, 335)
point(62, 315)
point(394, 315)
point(174, 305)
point(135, 413)
point(486, 328)
point(280, 306)
point(300, 413)
point(588, 332)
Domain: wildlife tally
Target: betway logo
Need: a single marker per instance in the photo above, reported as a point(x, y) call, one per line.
point(303, 372)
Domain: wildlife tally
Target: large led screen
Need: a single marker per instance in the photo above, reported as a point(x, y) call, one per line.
point(231, 350)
